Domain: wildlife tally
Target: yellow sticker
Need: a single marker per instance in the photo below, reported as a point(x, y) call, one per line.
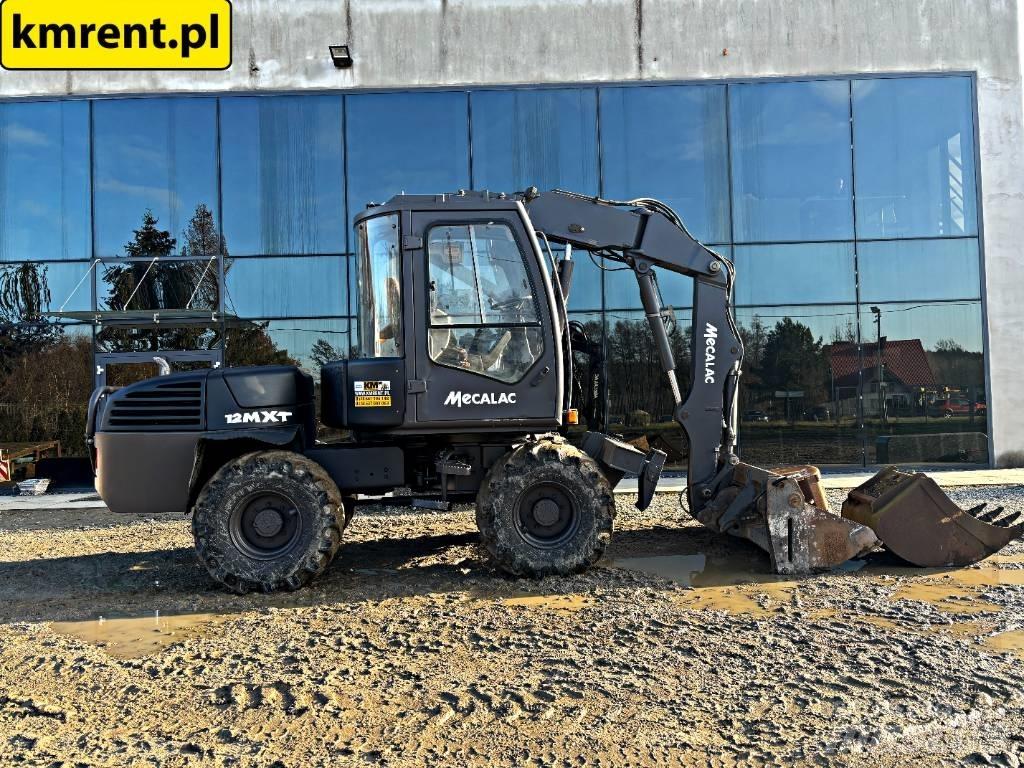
point(115, 34)
point(372, 394)
point(372, 401)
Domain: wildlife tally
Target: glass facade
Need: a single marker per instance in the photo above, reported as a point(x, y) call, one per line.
point(849, 206)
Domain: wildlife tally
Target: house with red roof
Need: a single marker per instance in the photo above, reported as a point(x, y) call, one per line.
point(905, 372)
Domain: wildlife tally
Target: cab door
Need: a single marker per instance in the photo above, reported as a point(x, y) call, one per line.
point(486, 351)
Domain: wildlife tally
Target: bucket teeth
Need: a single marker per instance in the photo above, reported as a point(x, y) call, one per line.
point(988, 517)
point(1009, 520)
point(975, 511)
point(919, 523)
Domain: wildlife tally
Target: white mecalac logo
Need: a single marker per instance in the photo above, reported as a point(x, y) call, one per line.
point(459, 399)
point(258, 417)
point(710, 339)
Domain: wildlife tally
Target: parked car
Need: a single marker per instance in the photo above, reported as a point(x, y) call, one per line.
point(955, 406)
point(751, 416)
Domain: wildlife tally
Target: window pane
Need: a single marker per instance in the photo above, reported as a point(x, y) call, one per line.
point(792, 410)
point(915, 270)
point(790, 274)
point(830, 323)
point(157, 155)
point(135, 285)
point(416, 143)
point(307, 343)
point(44, 181)
point(379, 292)
point(477, 276)
point(283, 287)
point(585, 292)
point(791, 164)
point(940, 325)
point(931, 382)
point(35, 288)
point(283, 175)
point(46, 393)
point(545, 138)
point(639, 399)
point(914, 144)
point(669, 142)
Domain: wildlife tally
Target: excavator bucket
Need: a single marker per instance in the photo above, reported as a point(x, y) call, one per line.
point(919, 523)
point(785, 513)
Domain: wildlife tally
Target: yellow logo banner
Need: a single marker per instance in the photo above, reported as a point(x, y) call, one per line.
point(115, 34)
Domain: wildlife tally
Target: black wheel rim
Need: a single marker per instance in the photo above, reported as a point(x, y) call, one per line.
point(265, 525)
point(547, 515)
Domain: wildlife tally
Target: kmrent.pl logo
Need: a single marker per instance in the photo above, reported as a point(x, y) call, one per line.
point(115, 34)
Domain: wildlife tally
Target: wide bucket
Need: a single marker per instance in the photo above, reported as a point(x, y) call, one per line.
point(919, 523)
point(785, 512)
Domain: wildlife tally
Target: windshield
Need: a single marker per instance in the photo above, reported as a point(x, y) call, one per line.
point(378, 276)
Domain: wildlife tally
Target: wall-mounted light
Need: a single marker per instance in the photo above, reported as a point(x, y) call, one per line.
point(340, 56)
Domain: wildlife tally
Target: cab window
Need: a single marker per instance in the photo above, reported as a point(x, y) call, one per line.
point(483, 309)
point(378, 277)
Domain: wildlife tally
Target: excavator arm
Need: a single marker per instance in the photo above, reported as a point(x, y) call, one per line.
point(783, 511)
point(643, 239)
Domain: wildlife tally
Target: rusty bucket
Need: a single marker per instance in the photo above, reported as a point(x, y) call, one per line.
point(919, 523)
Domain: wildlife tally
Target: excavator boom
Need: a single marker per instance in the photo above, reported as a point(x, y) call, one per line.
point(783, 511)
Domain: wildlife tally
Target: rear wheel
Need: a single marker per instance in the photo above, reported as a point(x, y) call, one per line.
point(268, 521)
point(545, 509)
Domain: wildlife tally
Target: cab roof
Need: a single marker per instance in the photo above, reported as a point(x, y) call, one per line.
point(446, 201)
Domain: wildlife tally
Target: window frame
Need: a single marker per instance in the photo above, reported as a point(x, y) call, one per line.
point(401, 334)
point(507, 219)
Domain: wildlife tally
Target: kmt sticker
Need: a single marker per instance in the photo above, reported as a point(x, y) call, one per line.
point(373, 394)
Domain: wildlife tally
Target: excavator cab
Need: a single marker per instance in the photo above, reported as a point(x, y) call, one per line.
point(458, 322)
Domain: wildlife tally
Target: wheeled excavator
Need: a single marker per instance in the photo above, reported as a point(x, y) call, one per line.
point(461, 388)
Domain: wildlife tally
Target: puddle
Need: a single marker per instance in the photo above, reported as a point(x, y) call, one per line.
point(736, 585)
point(1007, 641)
point(129, 638)
point(1018, 558)
point(988, 577)
point(555, 602)
point(959, 591)
point(742, 584)
point(680, 568)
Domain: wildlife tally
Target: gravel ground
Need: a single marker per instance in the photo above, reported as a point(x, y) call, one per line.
point(678, 649)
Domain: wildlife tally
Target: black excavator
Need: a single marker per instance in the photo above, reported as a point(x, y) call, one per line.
point(461, 388)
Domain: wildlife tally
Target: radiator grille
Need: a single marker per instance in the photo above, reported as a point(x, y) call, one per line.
point(165, 405)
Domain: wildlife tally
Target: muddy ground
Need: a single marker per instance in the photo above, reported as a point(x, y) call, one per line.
point(411, 652)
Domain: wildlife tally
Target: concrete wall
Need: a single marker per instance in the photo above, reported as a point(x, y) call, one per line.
point(403, 43)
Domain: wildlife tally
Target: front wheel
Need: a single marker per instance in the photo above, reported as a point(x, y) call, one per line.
point(545, 509)
point(268, 521)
